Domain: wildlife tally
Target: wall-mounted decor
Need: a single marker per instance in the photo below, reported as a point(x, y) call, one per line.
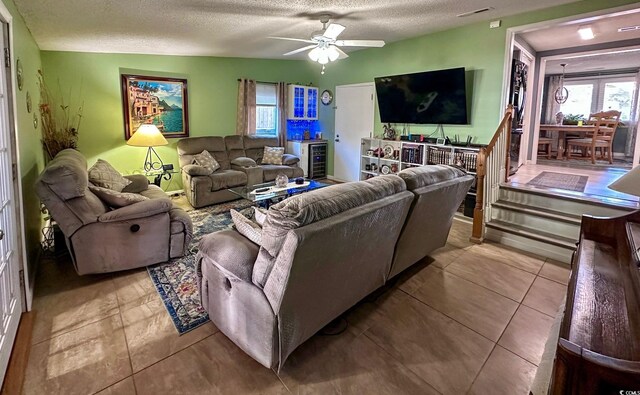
point(155, 100)
point(19, 74)
point(28, 102)
point(35, 121)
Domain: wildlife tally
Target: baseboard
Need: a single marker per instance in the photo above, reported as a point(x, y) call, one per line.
point(525, 244)
point(14, 377)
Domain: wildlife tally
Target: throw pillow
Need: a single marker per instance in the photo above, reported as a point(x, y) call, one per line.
point(289, 159)
point(138, 184)
point(102, 174)
point(116, 199)
point(259, 214)
point(207, 161)
point(246, 227)
point(272, 155)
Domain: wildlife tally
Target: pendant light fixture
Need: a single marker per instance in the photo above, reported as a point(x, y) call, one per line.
point(562, 94)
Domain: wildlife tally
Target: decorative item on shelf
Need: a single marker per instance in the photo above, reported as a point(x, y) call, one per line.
point(368, 176)
point(561, 94)
point(374, 167)
point(29, 102)
point(394, 168)
point(149, 136)
point(367, 167)
point(459, 161)
point(306, 135)
point(19, 74)
point(378, 152)
point(299, 181)
point(396, 154)
point(388, 151)
point(142, 104)
point(318, 135)
point(369, 152)
point(281, 180)
point(385, 169)
point(389, 133)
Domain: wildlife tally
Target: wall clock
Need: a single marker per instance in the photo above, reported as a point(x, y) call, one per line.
point(326, 97)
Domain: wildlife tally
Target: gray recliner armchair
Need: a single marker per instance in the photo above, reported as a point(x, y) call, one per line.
point(103, 240)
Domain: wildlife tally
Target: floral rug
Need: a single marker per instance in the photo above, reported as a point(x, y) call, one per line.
point(175, 280)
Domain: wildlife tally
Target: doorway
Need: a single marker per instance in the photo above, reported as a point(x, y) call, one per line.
point(10, 289)
point(354, 121)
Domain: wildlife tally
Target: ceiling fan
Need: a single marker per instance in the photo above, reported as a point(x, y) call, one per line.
point(324, 44)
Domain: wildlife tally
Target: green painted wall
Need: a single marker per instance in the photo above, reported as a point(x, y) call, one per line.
point(30, 156)
point(476, 47)
point(212, 92)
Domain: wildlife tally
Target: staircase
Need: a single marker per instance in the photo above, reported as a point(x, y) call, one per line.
point(542, 222)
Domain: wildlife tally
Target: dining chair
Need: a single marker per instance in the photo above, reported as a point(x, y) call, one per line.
point(605, 124)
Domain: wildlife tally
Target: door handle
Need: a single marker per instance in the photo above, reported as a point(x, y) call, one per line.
point(337, 140)
point(1, 234)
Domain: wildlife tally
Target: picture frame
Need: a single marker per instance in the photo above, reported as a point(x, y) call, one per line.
point(157, 100)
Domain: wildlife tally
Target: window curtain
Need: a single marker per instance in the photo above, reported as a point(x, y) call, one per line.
point(552, 106)
point(246, 117)
point(281, 100)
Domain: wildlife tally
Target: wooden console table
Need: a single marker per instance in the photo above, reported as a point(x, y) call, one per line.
point(599, 344)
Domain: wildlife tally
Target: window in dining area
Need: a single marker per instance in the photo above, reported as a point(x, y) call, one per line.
point(588, 96)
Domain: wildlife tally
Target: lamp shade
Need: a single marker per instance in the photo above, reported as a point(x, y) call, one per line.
point(147, 135)
point(629, 183)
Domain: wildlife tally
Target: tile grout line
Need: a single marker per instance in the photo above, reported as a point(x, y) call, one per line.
point(74, 329)
point(126, 342)
point(481, 368)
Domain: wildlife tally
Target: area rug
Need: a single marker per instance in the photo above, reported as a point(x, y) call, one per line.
point(551, 180)
point(175, 280)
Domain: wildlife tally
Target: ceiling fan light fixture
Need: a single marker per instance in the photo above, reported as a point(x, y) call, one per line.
point(314, 54)
point(333, 53)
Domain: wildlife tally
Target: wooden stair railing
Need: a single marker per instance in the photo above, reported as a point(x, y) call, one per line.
point(492, 161)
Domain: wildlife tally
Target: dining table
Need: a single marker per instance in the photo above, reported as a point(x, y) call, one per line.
point(562, 131)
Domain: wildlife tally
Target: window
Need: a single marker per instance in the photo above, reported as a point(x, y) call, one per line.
point(591, 95)
point(266, 110)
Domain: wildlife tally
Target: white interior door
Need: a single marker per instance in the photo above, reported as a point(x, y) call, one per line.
point(354, 120)
point(10, 293)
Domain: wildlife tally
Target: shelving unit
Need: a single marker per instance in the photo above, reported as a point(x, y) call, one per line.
point(302, 103)
point(399, 155)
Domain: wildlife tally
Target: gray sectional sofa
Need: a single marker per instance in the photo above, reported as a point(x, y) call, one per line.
point(240, 159)
point(103, 240)
point(320, 253)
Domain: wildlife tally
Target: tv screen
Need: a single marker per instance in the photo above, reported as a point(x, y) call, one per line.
point(434, 97)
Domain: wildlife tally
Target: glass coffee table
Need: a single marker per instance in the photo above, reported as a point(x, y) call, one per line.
point(266, 194)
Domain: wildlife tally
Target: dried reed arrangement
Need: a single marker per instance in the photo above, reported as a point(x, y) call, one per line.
point(59, 124)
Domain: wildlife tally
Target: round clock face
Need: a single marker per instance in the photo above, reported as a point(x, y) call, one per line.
point(326, 97)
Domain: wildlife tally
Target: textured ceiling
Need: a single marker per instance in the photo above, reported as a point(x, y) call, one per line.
point(240, 28)
point(596, 63)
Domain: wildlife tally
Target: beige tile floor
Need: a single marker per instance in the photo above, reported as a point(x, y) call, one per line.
point(472, 319)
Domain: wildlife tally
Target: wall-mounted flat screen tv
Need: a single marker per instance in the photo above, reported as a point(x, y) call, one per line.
point(433, 97)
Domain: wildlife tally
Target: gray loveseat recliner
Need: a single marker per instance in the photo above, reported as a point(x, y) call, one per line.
point(101, 240)
point(240, 159)
point(321, 252)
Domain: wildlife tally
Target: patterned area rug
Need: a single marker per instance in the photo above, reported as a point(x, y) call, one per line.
point(551, 180)
point(175, 280)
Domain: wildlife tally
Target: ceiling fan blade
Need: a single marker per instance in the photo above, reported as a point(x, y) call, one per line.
point(300, 50)
point(343, 55)
point(293, 39)
point(333, 31)
point(360, 43)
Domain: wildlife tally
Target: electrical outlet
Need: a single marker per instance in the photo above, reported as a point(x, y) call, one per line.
point(494, 24)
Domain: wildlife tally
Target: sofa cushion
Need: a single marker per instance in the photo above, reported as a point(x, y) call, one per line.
point(230, 251)
point(196, 170)
point(417, 177)
point(66, 174)
point(246, 227)
point(259, 215)
point(139, 183)
point(223, 179)
point(272, 155)
point(289, 160)
point(116, 199)
point(271, 171)
point(310, 207)
point(102, 174)
point(191, 146)
point(243, 161)
point(207, 161)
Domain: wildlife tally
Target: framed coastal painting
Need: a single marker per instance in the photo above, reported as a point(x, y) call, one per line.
point(155, 100)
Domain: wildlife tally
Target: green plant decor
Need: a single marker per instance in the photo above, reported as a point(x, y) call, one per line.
point(573, 119)
point(60, 125)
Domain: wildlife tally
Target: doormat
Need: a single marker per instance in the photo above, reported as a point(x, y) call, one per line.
point(551, 180)
point(175, 280)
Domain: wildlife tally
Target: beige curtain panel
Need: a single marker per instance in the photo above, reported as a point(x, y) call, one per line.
point(552, 106)
point(281, 96)
point(246, 117)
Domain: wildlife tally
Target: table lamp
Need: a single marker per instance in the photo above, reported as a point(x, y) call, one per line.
point(628, 183)
point(149, 136)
